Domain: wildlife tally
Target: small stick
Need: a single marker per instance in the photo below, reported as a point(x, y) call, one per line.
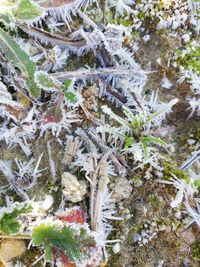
point(102, 185)
point(95, 72)
point(93, 185)
point(46, 37)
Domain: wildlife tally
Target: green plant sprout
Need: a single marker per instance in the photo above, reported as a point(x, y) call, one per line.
point(9, 223)
point(134, 126)
point(63, 238)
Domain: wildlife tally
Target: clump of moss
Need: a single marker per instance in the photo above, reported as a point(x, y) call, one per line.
point(197, 134)
point(171, 168)
point(154, 200)
point(190, 60)
point(137, 180)
point(30, 257)
point(196, 251)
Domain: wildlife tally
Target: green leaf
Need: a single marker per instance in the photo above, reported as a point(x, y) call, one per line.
point(5, 19)
point(67, 84)
point(73, 243)
point(71, 97)
point(197, 183)
point(20, 59)
point(153, 140)
point(145, 148)
point(44, 81)
point(153, 116)
point(9, 222)
point(27, 10)
point(128, 141)
point(48, 252)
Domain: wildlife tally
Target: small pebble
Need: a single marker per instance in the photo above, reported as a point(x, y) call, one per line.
point(122, 189)
point(11, 249)
point(116, 248)
point(73, 189)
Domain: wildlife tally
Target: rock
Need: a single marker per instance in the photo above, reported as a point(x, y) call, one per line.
point(11, 249)
point(122, 189)
point(47, 203)
point(116, 248)
point(73, 189)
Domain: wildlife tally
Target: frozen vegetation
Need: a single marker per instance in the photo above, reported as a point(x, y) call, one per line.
point(100, 133)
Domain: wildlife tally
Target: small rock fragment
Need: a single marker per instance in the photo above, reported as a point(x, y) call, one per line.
point(47, 203)
point(73, 189)
point(11, 249)
point(122, 189)
point(116, 248)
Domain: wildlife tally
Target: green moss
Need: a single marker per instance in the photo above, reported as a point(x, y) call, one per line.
point(191, 60)
point(119, 21)
point(137, 180)
point(153, 199)
point(171, 168)
point(197, 134)
point(31, 256)
point(195, 251)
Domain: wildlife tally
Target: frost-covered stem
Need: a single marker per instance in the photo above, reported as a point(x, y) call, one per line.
point(47, 38)
point(60, 100)
point(101, 144)
point(95, 72)
point(108, 111)
point(87, 19)
point(102, 185)
point(88, 115)
point(116, 94)
point(6, 170)
point(124, 55)
point(71, 148)
point(51, 162)
point(93, 184)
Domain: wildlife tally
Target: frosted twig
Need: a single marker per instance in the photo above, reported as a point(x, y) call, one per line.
point(47, 37)
point(5, 168)
point(93, 177)
point(70, 149)
point(95, 72)
point(51, 162)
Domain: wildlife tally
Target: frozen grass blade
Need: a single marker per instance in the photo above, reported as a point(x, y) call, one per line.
point(20, 59)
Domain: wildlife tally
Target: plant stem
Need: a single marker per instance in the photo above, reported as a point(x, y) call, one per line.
point(95, 72)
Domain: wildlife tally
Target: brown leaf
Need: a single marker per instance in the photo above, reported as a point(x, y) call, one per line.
point(16, 112)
